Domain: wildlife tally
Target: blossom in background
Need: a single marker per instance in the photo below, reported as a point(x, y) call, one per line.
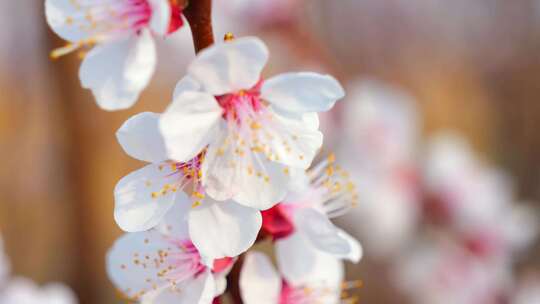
point(474, 201)
point(163, 266)
point(527, 290)
point(259, 13)
point(435, 271)
point(5, 266)
point(24, 291)
point(123, 60)
point(253, 132)
point(318, 195)
point(260, 283)
point(378, 146)
point(478, 229)
point(144, 197)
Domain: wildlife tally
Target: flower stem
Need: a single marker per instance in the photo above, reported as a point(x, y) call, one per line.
point(199, 16)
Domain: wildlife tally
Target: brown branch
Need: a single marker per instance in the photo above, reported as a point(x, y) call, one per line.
point(199, 16)
point(233, 281)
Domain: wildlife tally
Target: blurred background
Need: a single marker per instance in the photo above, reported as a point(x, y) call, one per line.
point(439, 128)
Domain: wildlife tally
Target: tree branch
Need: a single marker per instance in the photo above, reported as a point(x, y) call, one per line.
point(233, 281)
point(199, 16)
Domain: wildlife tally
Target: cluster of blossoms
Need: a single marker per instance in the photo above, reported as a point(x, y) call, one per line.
point(227, 162)
point(444, 222)
point(484, 230)
point(18, 290)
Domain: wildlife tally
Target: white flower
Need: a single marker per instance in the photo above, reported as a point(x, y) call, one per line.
point(379, 148)
point(475, 200)
point(260, 283)
point(527, 291)
point(123, 60)
point(24, 291)
point(144, 197)
point(162, 266)
point(441, 272)
point(322, 193)
point(252, 129)
point(382, 124)
point(5, 266)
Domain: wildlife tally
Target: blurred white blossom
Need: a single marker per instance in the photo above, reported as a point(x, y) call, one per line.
point(379, 148)
point(123, 60)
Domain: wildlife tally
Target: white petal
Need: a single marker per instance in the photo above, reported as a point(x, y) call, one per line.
point(63, 18)
point(252, 180)
point(128, 266)
point(221, 285)
point(189, 124)
point(161, 16)
point(259, 281)
point(140, 138)
point(223, 229)
point(186, 84)
point(57, 294)
point(259, 193)
point(198, 291)
point(301, 264)
point(118, 71)
point(230, 66)
point(322, 234)
point(302, 92)
point(295, 257)
point(302, 137)
point(175, 222)
point(140, 203)
point(357, 252)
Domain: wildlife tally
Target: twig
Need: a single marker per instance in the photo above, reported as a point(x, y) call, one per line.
point(233, 281)
point(199, 16)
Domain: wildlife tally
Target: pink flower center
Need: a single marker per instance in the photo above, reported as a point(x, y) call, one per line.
point(181, 175)
point(483, 244)
point(278, 222)
point(240, 105)
point(299, 294)
point(138, 13)
point(104, 20)
point(176, 17)
point(186, 263)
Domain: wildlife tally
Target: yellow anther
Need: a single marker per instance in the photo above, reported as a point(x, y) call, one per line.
point(331, 158)
point(255, 125)
point(257, 149)
point(330, 171)
point(198, 195)
point(196, 204)
point(228, 37)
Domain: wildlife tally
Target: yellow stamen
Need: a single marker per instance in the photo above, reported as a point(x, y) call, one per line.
point(228, 37)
